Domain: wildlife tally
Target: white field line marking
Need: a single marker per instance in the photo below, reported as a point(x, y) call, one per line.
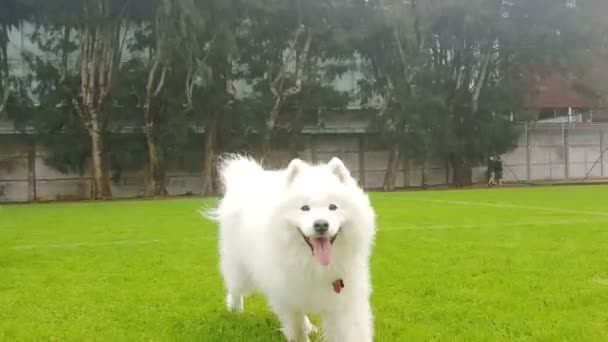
point(483, 225)
point(88, 244)
point(600, 280)
point(513, 206)
point(102, 244)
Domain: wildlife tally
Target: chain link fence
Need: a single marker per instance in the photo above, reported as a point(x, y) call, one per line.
point(544, 153)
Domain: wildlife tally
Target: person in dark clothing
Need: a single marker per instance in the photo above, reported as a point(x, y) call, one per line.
point(498, 170)
point(491, 171)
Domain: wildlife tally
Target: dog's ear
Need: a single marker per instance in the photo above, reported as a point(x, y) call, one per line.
point(339, 169)
point(294, 168)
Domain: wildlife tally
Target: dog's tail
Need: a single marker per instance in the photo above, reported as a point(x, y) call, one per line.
point(211, 214)
point(236, 171)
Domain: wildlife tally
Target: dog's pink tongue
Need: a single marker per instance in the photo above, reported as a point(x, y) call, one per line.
point(321, 249)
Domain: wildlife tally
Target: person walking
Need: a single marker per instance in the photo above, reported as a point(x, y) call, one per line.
point(498, 170)
point(491, 173)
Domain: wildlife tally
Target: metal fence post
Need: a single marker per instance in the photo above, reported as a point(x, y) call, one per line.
point(602, 151)
point(405, 164)
point(566, 151)
point(362, 147)
point(447, 171)
point(313, 149)
point(528, 166)
point(31, 170)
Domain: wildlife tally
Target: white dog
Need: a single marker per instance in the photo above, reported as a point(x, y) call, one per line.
point(303, 237)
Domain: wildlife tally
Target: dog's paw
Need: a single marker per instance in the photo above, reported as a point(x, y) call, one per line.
point(290, 338)
point(310, 328)
point(234, 303)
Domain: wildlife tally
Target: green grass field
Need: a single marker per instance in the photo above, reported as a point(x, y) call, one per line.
point(478, 265)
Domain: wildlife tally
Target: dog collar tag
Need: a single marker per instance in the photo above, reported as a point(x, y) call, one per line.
point(338, 285)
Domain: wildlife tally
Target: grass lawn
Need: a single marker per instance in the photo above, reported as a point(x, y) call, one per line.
point(478, 265)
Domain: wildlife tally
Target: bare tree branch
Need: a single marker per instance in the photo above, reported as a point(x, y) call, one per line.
point(481, 77)
point(161, 82)
point(297, 87)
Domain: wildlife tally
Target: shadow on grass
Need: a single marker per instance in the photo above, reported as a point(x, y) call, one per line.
point(226, 326)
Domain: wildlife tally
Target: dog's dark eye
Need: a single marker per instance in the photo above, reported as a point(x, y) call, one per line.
point(333, 207)
point(305, 208)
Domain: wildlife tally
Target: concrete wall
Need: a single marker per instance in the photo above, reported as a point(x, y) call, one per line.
point(543, 152)
point(559, 152)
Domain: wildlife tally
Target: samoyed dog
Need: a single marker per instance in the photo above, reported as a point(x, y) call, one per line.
point(302, 236)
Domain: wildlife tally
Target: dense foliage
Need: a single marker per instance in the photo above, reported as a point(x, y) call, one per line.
point(443, 79)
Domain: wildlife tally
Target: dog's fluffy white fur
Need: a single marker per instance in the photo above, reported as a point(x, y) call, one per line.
point(269, 243)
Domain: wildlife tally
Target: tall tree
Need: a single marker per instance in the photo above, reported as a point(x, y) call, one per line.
point(289, 44)
point(279, 49)
point(215, 70)
point(395, 60)
point(13, 12)
point(100, 51)
point(447, 74)
point(458, 62)
point(93, 34)
point(53, 82)
point(211, 55)
point(169, 33)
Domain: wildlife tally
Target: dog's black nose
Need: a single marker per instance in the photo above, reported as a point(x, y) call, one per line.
point(321, 226)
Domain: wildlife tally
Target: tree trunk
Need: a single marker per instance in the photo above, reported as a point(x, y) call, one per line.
point(152, 116)
point(158, 180)
point(211, 133)
point(65, 55)
point(424, 175)
point(295, 129)
point(279, 93)
point(392, 168)
point(293, 144)
point(4, 69)
point(479, 82)
point(210, 157)
point(31, 170)
point(457, 176)
point(266, 148)
point(100, 183)
point(269, 131)
point(462, 171)
point(99, 57)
